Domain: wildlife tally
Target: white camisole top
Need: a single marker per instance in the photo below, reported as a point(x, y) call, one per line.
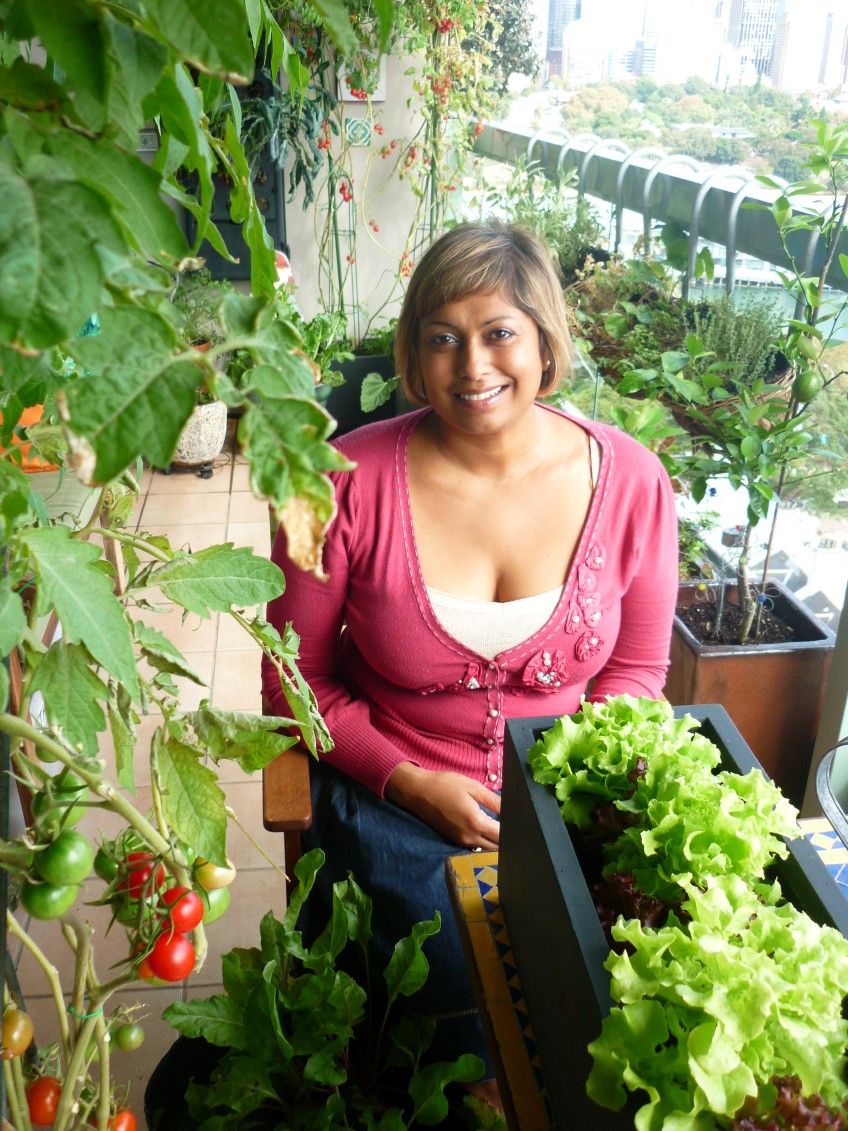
point(492, 627)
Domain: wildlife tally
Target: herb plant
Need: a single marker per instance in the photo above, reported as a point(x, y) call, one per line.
point(730, 987)
point(303, 1047)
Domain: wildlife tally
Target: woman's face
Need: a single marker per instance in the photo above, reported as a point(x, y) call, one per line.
point(481, 362)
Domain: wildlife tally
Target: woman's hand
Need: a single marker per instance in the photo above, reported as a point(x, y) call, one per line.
point(448, 802)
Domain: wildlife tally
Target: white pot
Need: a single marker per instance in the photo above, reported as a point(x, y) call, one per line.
point(203, 436)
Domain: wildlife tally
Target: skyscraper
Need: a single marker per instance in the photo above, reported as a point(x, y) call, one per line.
point(561, 13)
point(751, 29)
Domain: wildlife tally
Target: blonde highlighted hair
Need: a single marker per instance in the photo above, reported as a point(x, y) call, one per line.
point(481, 259)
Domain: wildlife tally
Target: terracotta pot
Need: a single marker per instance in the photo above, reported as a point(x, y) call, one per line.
point(556, 939)
point(772, 692)
point(31, 461)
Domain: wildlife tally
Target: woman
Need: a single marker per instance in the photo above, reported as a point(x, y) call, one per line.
point(491, 558)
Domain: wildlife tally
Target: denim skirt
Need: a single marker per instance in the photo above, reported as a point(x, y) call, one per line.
point(399, 861)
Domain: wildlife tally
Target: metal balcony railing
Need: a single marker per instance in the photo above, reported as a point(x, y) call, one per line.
point(707, 201)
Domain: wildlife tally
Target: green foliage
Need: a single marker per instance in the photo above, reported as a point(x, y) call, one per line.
point(715, 1001)
point(299, 1032)
point(552, 211)
point(198, 297)
point(513, 49)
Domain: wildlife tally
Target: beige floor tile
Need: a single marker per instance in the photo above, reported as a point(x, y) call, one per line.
point(256, 535)
point(141, 760)
point(236, 685)
point(110, 945)
point(189, 692)
point(231, 636)
point(253, 893)
point(186, 507)
point(132, 1070)
point(245, 799)
point(241, 477)
point(183, 480)
point(190, 635)
point(193, 536)
point(245, 507)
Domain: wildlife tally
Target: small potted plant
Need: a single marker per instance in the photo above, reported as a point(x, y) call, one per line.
point(197, 297)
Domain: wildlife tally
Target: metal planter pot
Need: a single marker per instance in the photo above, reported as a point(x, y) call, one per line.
point(772, 692)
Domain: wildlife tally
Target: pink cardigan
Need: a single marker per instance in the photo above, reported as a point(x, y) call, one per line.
point(394, 686)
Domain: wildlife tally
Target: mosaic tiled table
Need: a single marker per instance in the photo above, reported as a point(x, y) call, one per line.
point(473, 885)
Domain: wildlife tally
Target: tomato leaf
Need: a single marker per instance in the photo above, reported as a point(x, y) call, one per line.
point(193, 801)
point(71, 690)
point(70, 580)
point(210, 580)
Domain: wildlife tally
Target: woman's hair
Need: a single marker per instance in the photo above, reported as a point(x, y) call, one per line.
point(476, 259)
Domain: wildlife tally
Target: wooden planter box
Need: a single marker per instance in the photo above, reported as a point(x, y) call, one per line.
point(557, 941)
point(772, 692)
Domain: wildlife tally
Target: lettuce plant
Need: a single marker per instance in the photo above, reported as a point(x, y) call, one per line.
point(730, 988)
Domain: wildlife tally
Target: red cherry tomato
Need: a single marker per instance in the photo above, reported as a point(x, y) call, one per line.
point(172, 957)
point(123, 1121)
point(143, 875)
point(185, 909)
point(43, 1100)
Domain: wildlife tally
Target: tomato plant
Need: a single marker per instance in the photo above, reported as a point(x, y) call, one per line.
point(172, 957)
point(211, 876)
point(185, 909)
point(129, 1036)
point(17, 1032)
point(67, 860)
point(43, 1100)
point(143, 874)
point(48, 901)
point(217, 901)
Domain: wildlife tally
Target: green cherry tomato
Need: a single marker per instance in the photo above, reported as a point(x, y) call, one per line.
point(43, 1100)
point(216, 903)
point(129, 1036)
point(63, 809)
point(17, 1033)
point(210, 876)
point(105, 865)
point(67, 860)
point(47, 901)
point(807, 385)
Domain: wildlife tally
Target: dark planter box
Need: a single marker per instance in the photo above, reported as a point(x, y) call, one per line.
point(772, 692)
point(343, 402)
point(556, 938)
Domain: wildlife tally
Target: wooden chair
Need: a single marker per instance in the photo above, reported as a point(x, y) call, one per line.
point(286, 801)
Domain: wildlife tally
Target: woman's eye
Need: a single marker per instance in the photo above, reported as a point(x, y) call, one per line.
point(500, 335)
point(442, 339)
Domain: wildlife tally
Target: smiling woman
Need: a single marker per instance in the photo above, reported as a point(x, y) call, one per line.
point(491, 558)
